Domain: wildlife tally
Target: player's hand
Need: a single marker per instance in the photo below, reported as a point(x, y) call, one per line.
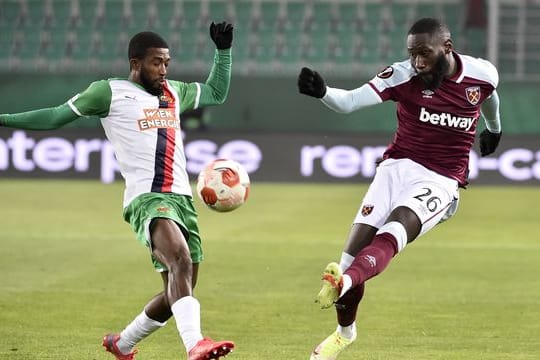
point(489, 142)
point(311, 83)
point(221, 34)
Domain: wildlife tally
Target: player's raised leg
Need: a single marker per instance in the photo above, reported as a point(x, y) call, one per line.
point(346, 306)
point(170, 247)
point(345, 334)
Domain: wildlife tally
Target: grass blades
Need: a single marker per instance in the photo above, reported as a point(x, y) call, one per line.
point(71, 270)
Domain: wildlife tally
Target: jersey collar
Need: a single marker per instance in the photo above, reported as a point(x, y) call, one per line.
point(459, 74)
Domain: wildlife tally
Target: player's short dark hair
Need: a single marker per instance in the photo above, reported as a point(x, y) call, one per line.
point(142, 41)
point(428, 26)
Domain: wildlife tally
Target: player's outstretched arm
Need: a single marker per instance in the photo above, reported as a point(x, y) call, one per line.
point(311, 83)
point(221, 34)
point(95, 100)
point(216, 88)
point(42, 119)
point(490, 137)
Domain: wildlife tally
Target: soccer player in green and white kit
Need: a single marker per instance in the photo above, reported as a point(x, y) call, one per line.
point(141, 118)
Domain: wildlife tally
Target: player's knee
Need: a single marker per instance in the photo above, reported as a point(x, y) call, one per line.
point(398, 231)
point(176, 259)
point(180, 262)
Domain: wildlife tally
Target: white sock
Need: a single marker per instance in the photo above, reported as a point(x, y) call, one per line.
point(345, 261)
point(138, 329)
point(187, 313)
point(348, 332)
point(347, 284)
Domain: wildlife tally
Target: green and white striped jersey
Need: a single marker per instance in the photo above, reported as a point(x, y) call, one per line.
point(145, 130)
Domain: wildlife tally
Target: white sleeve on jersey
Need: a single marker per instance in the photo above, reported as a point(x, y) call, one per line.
point(480, 69)
point(490, 112)
point(346, 101)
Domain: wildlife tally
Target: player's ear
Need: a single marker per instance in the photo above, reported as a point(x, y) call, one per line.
point(134, 64)
point(448, 46)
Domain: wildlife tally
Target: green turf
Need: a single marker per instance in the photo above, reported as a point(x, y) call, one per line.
point(71, 271)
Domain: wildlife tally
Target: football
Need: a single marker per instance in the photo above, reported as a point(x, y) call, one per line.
point(223, 185)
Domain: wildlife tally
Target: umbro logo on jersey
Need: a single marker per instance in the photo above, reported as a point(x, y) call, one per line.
point(446, 119)
point(427, 93)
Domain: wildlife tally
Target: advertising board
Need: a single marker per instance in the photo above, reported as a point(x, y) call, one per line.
point(279, 157)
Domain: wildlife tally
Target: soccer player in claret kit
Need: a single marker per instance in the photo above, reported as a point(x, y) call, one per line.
point(440, 96)
point(141, 118)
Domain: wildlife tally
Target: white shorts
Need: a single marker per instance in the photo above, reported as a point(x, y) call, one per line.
point(403, 182)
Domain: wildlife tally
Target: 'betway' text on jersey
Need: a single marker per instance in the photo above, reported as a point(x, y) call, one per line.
point(446, 119)
point(436, 128)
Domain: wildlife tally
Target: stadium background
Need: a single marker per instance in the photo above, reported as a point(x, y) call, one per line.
point(469, 290)
point(52, 49)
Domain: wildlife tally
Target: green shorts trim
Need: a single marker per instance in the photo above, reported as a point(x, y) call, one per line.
point(179, 208)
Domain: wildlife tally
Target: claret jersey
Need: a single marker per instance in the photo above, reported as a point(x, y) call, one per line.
point(144, 131)
point(436, 128)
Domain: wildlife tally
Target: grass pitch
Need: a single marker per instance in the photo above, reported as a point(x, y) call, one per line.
point(71, 270)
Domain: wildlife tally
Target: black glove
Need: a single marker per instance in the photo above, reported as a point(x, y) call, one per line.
point(311, 83)
point(489, 142)
point(221, 34)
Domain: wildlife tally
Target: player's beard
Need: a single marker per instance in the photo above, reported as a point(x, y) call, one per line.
point(434, 78)
point(152, 86)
